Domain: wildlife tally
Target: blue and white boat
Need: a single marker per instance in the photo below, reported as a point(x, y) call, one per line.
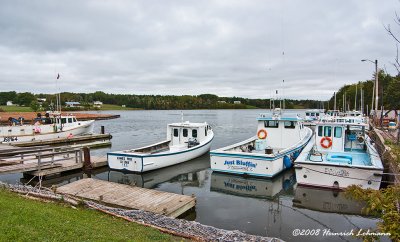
point(340, 154)
point(185, 141)
point(277, 143)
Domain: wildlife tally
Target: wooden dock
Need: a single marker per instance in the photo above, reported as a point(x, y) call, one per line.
point(125, 196)
point(67, 165)
point(76, 139)
point(47, 161)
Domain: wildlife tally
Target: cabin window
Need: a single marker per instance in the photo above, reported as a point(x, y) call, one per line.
point(69, 120)
point(205, 131)
point(327, 131)
point(307, 114)
point(271, 124)
point(176, 133)
point(185, 133)
point(320, 129)
point(289, 125)
point(317, 114)
point(74, 119)
point(338, 132)
point(194, 133)
point(63, 120)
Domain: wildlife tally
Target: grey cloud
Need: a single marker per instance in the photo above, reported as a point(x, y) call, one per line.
point(230, 48)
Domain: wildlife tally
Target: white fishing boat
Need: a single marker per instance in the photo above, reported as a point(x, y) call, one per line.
point(340, 154)
point(313, 115)
point(279, 140)
point(53, 125)
point(185, 141)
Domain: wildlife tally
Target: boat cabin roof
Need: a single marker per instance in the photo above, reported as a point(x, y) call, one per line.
point(342, 124)
point(187, 124)
point(282, 117)
point(314, 111)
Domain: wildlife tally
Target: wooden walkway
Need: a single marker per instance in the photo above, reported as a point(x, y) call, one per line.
point(83, 138)
point(115, 194)
point(68, 165)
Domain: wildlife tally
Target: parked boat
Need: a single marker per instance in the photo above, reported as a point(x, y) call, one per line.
point(187, 172)
point(279, 140)
point(53, 125)
point(185, 141)
point(339, 155)
point(313, 115)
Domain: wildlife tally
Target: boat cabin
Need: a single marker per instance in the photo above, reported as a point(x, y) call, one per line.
point(186, 134)
point(333, 113)
point(340, 137)
point(279, 131)
point(314, 114)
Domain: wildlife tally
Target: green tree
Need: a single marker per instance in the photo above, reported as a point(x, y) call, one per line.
point(35, 106)
point(25, 98)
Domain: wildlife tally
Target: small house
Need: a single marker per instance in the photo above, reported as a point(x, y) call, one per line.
point(72, 104)
point(97, 104)
point(237, 102)
point(10, 103)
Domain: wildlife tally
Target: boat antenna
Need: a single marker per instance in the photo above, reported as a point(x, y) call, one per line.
point(182, 116)
point(355, 101)
point(283, 93)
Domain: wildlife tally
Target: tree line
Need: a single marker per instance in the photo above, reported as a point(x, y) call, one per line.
point(348, 97)
point(162, 102)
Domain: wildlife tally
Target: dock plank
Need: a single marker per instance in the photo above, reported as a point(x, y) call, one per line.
point(126, 196)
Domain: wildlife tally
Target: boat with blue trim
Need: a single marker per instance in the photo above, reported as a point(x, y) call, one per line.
point(279, 140)
point(340, 154)
point(185, 141)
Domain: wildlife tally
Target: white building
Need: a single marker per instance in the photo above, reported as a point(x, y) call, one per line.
point(97, 104)
point(237, 102)
point(10, 103)
point(72, 104)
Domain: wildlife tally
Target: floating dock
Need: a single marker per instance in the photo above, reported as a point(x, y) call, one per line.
point(125, 196)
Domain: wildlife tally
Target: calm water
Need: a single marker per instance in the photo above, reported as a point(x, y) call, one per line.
point(255, 206)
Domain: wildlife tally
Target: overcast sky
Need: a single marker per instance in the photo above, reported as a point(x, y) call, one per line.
point(225, 47)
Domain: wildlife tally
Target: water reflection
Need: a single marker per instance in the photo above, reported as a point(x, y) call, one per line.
point(253, 187)
point(323, 200)
point(191, 173)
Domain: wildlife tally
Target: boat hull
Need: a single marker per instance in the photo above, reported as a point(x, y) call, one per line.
point(144, 163)
point(248, 164)
point(337, 176)
point(25, 133)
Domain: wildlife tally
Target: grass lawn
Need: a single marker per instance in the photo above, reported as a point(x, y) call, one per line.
point(23, 219)
point(15, 109)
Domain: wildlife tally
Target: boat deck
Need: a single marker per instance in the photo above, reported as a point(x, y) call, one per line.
point(342, 158)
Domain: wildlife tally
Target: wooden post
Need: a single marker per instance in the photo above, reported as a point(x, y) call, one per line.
point(39, 161)
point(102, 129)
point(86, 158)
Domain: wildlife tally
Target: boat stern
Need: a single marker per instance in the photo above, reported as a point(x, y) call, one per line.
point(121, 161)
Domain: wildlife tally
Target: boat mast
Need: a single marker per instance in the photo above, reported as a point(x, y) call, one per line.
point(355, 100)
point(334, 105)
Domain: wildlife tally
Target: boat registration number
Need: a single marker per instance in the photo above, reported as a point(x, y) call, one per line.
point(9, 139)
point(124, 161)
